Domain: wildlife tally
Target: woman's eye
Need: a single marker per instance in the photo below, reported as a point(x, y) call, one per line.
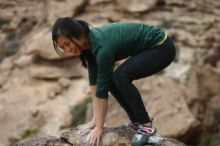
point(67, 44)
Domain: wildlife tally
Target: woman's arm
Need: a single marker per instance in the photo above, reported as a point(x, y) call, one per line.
point(93, 92)
point(99, 107)
point(103, 78)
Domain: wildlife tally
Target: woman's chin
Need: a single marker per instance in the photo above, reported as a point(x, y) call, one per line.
point(70, 54)
point(79, 54)
point(75, 54)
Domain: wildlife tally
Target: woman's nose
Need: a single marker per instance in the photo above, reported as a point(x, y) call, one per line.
point(67, 50)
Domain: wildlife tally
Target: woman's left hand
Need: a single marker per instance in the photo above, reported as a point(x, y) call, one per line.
point(93, 138)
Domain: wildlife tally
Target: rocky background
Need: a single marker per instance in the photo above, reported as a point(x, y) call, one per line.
point(42, 94)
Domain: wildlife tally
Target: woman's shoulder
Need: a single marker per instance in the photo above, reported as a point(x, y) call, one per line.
point(121, 24)
point(117, 25)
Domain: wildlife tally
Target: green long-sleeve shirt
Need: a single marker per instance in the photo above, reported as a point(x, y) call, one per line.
point(115, 41)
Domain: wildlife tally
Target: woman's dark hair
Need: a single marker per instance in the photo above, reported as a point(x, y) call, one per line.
point(69, 28)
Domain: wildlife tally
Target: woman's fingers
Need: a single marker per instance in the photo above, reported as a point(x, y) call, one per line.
point(89, 139)
point(93, 138)
point(97, 141)
point(92, 141)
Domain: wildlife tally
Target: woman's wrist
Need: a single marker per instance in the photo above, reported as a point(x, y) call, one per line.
point(98, 126)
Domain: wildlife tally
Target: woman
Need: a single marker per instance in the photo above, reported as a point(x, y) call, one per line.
point(149, 51)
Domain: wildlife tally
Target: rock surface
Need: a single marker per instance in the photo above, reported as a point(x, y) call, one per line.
point(36, 105)
point(136, 5)
point(111, 137)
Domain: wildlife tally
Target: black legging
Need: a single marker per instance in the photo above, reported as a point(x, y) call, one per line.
point(139, 66)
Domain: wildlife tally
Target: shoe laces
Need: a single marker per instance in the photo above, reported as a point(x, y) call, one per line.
point(147, 129)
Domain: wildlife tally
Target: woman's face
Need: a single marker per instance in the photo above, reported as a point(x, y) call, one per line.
point(70, 47)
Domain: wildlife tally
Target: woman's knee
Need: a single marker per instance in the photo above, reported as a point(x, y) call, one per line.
point(120, 78)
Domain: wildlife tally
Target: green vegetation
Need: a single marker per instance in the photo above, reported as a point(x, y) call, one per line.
point(207, 141)
point(10, 46)
point(217, 115)
point(4, 21)
point(32, 131)
point(78, 112)
point(209, 26)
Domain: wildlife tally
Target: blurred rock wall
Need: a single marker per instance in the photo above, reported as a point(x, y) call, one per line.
point(38, 89)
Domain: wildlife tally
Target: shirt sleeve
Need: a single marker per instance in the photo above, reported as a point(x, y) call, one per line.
point(105, 65)
point(92, 70)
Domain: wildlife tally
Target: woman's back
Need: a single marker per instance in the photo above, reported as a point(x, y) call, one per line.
point(124, 39)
